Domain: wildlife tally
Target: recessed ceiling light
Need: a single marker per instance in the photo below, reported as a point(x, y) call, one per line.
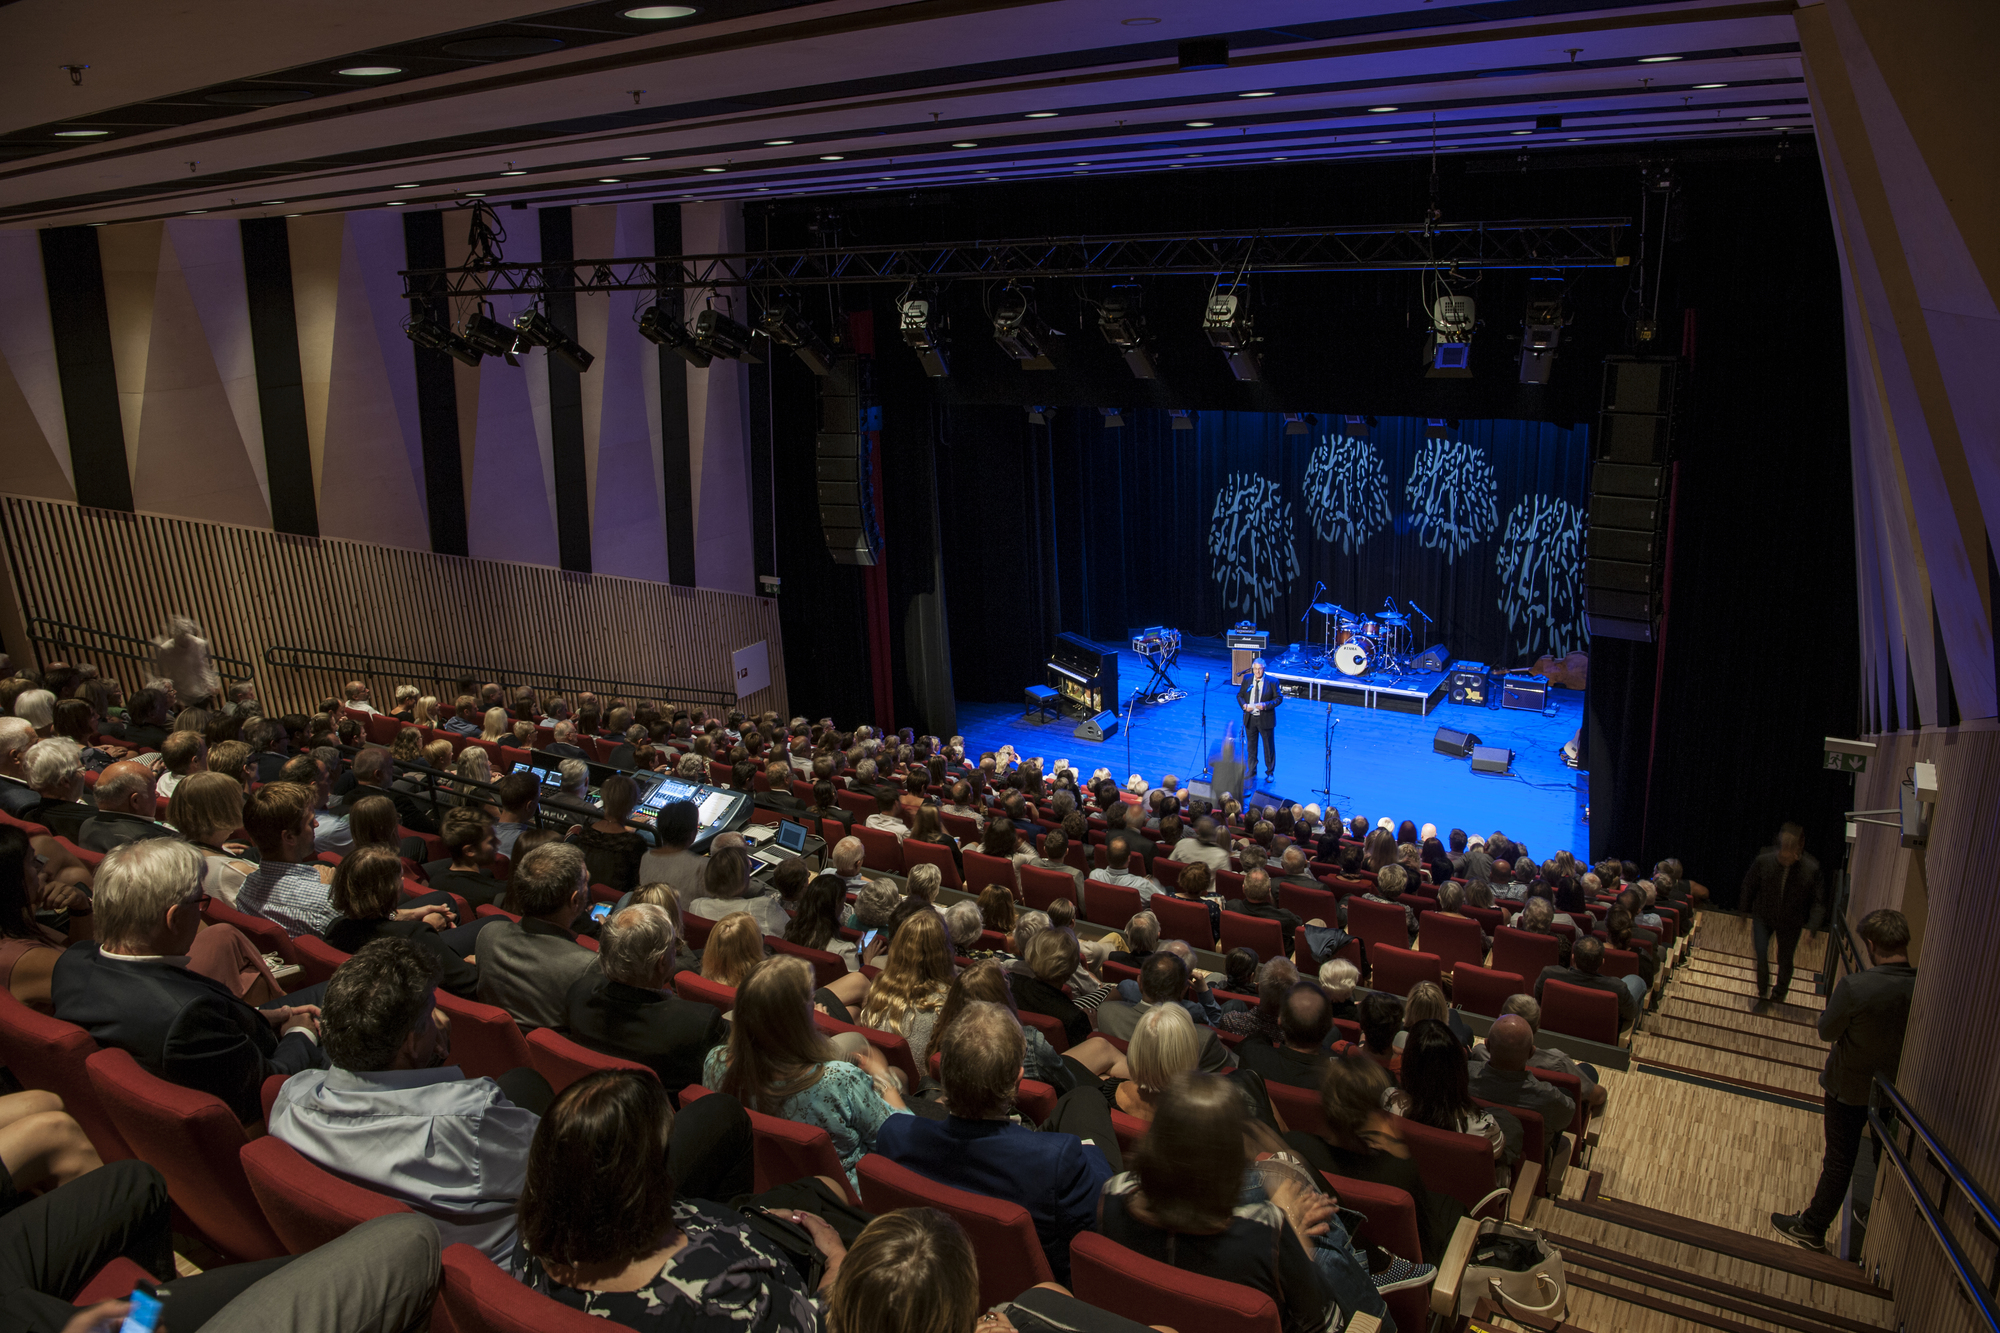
point(885, 178)
point(1382, 108)
point(1137, 22)
point(192, 211)
point(1520, 131)
point(294, 215)
point(1256, 94)
point(1577, 139)
point(635, 159)
point(370, 71)
point(832, 157)
point(609, 180)
point(778, 143)
point(81, 134)
point(1201, 124)
point(1083, 164)
point(273, 203)
point(396, 203)
point(982, 171)
point(659, 13)
point(1281, 159)
point(1656, 60)
point(1711, 85)
point(1042, 115)
point(1381, 141)
point(965, 145)
point(715, 171)
point(1756, 118)
point(475, 194)
point(513, 173)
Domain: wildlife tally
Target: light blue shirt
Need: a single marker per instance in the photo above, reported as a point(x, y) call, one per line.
point(331, 834)
point(1126, 879)
point(507, 833)
point(451, 1147)
point(293, 896)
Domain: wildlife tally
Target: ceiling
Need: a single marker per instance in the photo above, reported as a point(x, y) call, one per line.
point(254, 108)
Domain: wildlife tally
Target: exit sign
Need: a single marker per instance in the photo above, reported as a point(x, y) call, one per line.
point(1836, 762)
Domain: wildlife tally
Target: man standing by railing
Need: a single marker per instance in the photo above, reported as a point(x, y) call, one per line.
point(1864, 1019)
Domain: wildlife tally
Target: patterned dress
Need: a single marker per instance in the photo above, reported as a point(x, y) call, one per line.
point(726, 1279)
point(844, 1103)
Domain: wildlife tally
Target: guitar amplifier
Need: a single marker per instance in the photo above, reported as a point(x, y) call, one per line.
point(1466, 682)
point(1527, 692)
point(1244, 646)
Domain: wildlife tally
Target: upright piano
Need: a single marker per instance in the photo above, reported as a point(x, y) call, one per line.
point(1080, 672)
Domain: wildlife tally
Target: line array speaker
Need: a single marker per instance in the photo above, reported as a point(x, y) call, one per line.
point(1624, 564)
point(845, 462)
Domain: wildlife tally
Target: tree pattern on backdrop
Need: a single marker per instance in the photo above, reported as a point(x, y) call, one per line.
point(1540, 567)
point(1250, 539)
point(1347, 492)
point(1454, 498)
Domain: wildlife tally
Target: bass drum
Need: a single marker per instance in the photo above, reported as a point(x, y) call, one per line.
point(1351, 658)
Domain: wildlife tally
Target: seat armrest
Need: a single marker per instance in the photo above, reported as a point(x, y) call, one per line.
point(1451, 1270)
point(1523, 1197)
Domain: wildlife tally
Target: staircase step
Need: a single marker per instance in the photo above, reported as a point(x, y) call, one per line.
point(1777, 1050)
point(1786, 1258)
point(1707, 1290)
point(1686, 1314)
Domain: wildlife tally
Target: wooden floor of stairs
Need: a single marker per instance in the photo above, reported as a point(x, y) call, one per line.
point(1666, 1226)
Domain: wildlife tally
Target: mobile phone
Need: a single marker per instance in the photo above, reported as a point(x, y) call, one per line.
point(144, 1316)
point(868, 938)
point(599, 912)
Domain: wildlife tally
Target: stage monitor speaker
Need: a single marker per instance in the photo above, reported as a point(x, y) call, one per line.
point(1457, 744)
point(1491, 759)
point(1098, 728)
point(1432, 658)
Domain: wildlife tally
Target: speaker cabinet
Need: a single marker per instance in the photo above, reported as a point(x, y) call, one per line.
point(1097, 728)
point(1638, 481)
point(1491, 759)
point(844, 464)
point(1457, 744)
point(1239, 663)
point(1631, 482)
point(1432, 658)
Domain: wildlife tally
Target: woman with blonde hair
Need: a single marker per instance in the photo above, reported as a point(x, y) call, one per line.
point(405, 708)
point(409, 746)
point(1164, 1044)
point(735, 947)
point(425, 714)
point(1426, 1000)
point(437, 755)
point(910, 1271)
point(916, 977)
point(475, 765)
point(207, 808)
point(778, 1062)
point(498, 727)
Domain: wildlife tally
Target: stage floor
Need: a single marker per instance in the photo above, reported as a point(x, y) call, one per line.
point(1383, 764)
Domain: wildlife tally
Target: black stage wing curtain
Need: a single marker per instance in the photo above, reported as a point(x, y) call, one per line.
point(1102, 530)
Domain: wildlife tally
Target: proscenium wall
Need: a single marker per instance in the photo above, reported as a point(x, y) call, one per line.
point(257, 373)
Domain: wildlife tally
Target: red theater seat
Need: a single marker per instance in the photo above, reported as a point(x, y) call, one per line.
point(307, 1205)
point(1011, 1259)
point(1111, 1277)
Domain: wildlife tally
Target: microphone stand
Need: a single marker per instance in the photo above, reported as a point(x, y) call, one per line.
point(1207, 769)
point(1327, 789)
point(1129, 705)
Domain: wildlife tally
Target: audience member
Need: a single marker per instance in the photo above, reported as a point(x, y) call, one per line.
point(374, 775)
point(726, 888)
point(55, 770)
point(288, 886)
point(1587, 957)
point(1299, 1057)
point(612, 849)
point(1529, 1011)
point(631, 1012)
point(1503, 1077)
point(1434, 1092)
point(1338, 977)
point(1164, 981)
point(1784, 894)
point(17, 795)
point(1257, 901)
point(528, 966)
point(365, 890)
point(816, 922)
point(670, 862)
point(916, 974)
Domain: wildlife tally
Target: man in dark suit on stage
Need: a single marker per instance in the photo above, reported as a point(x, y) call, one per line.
point(1259, 698)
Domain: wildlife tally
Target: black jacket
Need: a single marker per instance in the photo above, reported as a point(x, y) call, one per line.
point(62, 818)
point(1268, 693)
point(16, 796)
point(653, 1028)
point(455, 975)
point(413, 814)
point(109, 828)
point(1282, 1064)
point(147, 737)
point(1784, 897)
point(1864, 1019)
point(1288, 921)
point(178, 1025)
point(1037, 996)
point(476, 887)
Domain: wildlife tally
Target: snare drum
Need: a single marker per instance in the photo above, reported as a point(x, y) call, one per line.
point(1369, 629)
point(1351, 658)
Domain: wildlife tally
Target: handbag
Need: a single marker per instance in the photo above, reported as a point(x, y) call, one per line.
point(1518, 1270)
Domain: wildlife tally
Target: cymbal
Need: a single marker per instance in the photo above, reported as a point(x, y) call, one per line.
point(1391, 618)
point(1328, 608)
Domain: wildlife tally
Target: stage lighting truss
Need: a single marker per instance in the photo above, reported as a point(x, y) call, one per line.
point(1454, 316)
point(920, 329)
point(1230, 329)
point(718, 335)
point(536, 329)
point(427, 332)
point(661, 324)
point(490, 337)
point(784, 326)
point(1541, 329)
point(1019, 331)
point(1123, 325)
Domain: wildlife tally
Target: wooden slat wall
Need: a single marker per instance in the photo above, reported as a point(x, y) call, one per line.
point(251, 588)
point(1951, 1056)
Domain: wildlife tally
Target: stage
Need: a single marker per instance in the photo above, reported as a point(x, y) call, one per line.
point(1383, 763)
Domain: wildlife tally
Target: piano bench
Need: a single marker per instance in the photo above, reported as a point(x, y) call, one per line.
point(1044, 700)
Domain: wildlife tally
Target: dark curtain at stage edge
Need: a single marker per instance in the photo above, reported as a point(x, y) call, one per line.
point(1235, 520)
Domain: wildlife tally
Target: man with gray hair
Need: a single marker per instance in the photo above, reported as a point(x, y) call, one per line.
point(1256, 902)
point(55, 770)
point(963, 923)
point(528, 966)
point(1529, 1010)
point(1142, 937)
point(627, 1007)
point(125, 808)
point(132, 988)
point(16, 794)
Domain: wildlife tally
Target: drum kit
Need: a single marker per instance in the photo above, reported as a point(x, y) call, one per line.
point(1362, 644)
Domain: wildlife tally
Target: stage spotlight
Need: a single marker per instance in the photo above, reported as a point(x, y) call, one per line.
point(536, 329)
point(1299, 423)
point(1123, 325)
point(914, 319)
point(1453, 318)
point(1229, 328)
point(1039, 416)
point(1437, 428)
point(1356, 427)
point(1114, 419)
point(784, 326)
point(427, 332)
point(1181, 418)
point(663, 326)
point(1541, 329)
point(1015, 329)
point(489, 336)
point(719, 335)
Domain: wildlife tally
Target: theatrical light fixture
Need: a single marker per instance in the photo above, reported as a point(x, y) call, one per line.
point(784, 326)
point(914, 322)
point(1019, 332)
point(1299, 423)
point(778, 143)
point(1356, 428)
point(492, 338)
point(719, 335)
point(1113, 418)
point(81, 134)
point(1039, 416)
point(538, 330)
point(662, 326)
point(1229, 328)
point(1123, 325)
point(1437, 428)
point(1541, 329)
point(1449, 355)
point(427, 332)
point(1181, 418)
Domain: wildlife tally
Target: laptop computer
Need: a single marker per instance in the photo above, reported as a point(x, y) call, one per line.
point(789, 842)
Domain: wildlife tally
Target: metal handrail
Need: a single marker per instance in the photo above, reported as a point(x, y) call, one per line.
point(140, 650)
point(1982, 1296)
point(337, 662)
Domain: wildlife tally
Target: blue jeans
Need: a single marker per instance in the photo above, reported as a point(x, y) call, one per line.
point(1788, 945)
point(1340, 1261)
point(1637, 985)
